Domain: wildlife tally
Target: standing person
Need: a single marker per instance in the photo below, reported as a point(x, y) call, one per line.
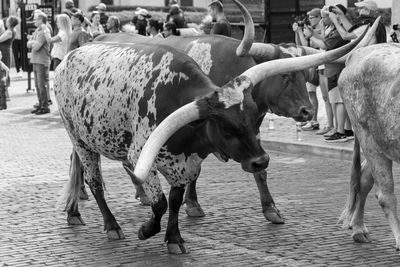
point(17, 45)
point(316, 28)
point(367, 11)
point(6, 40)
point(101, 8)
point(78, 36)
point(4, 73)
point(222, 26)
point(176, 15)
point(40, 60)
point(61, 40)
point(331, 41)
point(113, 24)
point(140, 20)
point(95, 28)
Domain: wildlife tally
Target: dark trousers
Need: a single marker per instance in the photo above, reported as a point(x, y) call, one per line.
point(17, 51)
point(39, 72)
point(3, 103)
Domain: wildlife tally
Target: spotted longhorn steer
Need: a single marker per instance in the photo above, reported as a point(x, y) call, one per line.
point(111, 97)
point(284, 94)
point(370, 86)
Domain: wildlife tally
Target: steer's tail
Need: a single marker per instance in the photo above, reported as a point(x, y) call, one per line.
point(355, 185)
point(72, 189)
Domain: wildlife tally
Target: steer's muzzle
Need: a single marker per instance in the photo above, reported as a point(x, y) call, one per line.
point(304, 114)
point(256, 164)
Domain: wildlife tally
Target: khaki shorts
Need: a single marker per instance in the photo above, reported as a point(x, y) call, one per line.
point(334, 96)
point(311, 87)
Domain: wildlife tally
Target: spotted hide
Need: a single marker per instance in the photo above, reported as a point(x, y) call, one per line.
point(370, 85)
point(112, 97)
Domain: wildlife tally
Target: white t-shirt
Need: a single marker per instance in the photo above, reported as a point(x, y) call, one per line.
point(60, 48)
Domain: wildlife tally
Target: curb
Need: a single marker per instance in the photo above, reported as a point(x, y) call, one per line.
point(304, 148)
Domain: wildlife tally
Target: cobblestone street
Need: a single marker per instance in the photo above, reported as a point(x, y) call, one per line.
point(309, 191)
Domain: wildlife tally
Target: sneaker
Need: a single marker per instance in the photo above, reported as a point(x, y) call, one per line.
point(42, 111)
point(50, 102)
point(330, 133)
point(324, 130)
point(302, 123)
point(336, 138)
point(311, 126)
point(349, 134)
point(36, 106)
point(35, 110)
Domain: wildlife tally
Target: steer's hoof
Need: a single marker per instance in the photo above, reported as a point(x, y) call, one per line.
point(174, 248)
point(75, 220)
point(147, 230)
point(273, 215)
point(115, 234)
point(83, 195)
point(361, 237)
point(194, 211)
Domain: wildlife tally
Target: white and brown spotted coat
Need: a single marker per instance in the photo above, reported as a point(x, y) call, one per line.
point(107, 97)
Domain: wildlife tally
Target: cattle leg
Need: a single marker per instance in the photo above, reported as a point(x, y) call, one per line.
point(271, 213)
point(361, 183)
point(153, 226)
point(193, 208)
point(360, 231)
point(382, 172)
point(176, 244)
point(90, 162)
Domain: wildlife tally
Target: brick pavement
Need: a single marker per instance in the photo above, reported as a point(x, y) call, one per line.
point(310, 192)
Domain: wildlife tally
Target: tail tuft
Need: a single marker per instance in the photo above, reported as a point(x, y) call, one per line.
point(71, 190)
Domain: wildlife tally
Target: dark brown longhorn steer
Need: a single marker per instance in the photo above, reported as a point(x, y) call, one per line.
point(370, 85)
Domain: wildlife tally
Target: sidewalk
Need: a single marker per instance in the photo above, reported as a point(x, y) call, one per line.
point(281, 138)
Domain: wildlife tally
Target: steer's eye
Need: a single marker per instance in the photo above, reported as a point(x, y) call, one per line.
point(227, 132)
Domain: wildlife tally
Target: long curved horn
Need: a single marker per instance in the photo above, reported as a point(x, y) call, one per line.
point(367, 40)
point(266, 52)
point(248, 37)
point(274, 67)
point(176, 120)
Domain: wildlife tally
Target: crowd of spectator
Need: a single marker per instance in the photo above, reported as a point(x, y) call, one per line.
point(73, 29)
point(324, 28)
point(329, 28)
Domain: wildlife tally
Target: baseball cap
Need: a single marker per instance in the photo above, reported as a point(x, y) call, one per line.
point(101, 6)
point(369, 4)
point(315, 12)
point(79, 16)
point(143, 12)
point(216, 2)
point(37, 13)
